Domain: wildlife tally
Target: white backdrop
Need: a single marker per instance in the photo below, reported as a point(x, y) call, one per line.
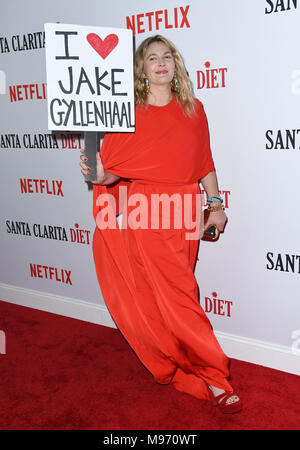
point(243, 61)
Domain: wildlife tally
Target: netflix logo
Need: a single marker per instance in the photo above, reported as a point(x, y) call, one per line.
point(211, 78)
point(22, 92)
point(34, 186)
point(217, 305)
point(50, 273)
point(163, 19)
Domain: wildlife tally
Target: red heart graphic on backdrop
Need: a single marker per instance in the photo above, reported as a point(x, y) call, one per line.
point(103, 48)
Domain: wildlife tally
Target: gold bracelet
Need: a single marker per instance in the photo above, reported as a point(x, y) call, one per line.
point(216, 208)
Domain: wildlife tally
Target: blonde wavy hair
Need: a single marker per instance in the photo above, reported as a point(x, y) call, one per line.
point(184, 93)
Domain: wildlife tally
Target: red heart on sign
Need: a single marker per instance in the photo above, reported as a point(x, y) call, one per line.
point(103, 48)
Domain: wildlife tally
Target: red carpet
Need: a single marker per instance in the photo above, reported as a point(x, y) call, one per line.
point(65, 374)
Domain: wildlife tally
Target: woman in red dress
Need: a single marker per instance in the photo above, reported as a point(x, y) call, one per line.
point(146, 269)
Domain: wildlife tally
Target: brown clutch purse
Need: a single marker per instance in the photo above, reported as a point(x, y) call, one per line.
point(211, 233)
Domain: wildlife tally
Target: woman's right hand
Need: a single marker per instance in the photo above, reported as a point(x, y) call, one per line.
point(103, 177)
point(84, 168)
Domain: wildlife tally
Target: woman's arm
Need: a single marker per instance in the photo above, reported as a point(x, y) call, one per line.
point(103, 177)
point(210, 184)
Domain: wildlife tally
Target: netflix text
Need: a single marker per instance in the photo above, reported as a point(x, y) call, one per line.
point(32, 91)
point(35, 186)
point(50, 273)
point(163, 19)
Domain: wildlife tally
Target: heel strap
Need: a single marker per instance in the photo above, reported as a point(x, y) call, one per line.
point(223, 397)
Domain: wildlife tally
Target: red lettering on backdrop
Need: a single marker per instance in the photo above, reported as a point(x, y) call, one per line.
point(211, 78)
point(22, 92)
point(140, 23)
point(149, 15)
point(217, 306)
point(50, 273)
point(167, 25)
point(35, 186)
point(70, 141)
point(80, 236)
point(160, 19)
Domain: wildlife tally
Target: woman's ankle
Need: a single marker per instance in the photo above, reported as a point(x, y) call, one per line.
point(215, 390)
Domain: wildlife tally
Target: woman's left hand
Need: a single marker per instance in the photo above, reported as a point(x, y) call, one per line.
point(217, 218)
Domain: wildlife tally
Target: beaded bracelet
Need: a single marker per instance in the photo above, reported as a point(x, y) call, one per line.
point(215, 208)
point(215, 198)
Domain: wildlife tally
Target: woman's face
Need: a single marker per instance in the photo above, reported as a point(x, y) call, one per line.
point(159, 64)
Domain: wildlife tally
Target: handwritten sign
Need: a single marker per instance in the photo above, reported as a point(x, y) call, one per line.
point(89, 78)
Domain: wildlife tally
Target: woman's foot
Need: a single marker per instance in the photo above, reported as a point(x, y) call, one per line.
point(227, 401)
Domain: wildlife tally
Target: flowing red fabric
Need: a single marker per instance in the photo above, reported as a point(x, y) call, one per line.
point(146, 274)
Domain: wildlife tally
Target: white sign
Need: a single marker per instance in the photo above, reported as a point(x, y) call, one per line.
point(89, 78)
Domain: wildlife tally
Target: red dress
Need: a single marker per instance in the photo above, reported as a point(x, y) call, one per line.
point(146, 273)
